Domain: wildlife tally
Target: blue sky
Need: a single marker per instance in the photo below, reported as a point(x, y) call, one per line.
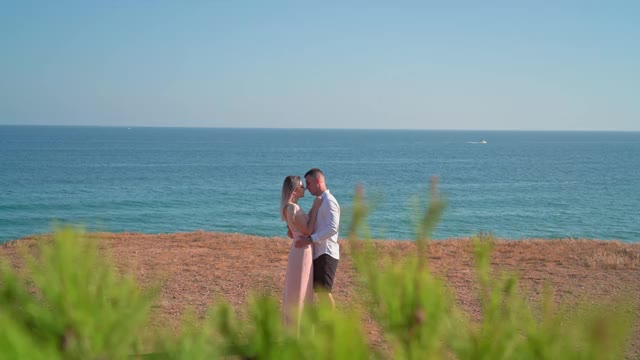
point(398, 65)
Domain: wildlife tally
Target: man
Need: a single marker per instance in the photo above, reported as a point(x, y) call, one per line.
point(326, 251)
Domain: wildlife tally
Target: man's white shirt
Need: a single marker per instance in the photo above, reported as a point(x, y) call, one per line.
point(325, 237)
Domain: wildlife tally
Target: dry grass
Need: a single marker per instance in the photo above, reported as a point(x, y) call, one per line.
point(197, 269)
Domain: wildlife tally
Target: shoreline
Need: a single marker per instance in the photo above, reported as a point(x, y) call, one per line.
point(196, 269)
point(31, 237)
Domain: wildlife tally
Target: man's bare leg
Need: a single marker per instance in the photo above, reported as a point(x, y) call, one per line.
point(327, 296)
point(333, 303)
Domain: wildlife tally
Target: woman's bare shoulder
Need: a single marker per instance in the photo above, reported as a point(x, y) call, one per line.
point(291, 209)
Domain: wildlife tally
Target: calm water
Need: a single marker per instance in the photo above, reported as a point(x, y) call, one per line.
point(156, 180)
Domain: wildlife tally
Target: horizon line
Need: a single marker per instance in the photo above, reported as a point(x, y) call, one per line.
point(310, 128)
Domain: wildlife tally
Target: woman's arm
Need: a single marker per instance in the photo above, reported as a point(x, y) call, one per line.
point(313, 215)
point(306, 224)
point(298, 218)
point(310, 223)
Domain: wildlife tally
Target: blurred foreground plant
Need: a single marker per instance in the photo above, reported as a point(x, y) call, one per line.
point(69, 303)
point(420, 319)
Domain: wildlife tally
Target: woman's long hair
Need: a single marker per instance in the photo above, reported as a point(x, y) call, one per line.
point(290, 184)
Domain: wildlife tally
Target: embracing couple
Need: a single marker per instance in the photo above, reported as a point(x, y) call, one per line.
point(314, 253)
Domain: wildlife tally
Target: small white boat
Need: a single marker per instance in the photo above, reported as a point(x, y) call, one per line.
point(483, 141)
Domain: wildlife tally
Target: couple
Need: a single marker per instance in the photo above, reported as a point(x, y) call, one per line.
point(314, 253)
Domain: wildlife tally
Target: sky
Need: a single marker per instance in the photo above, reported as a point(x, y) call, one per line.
point(510, 65)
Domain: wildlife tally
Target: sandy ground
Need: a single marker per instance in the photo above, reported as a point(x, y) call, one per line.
point(200, 268)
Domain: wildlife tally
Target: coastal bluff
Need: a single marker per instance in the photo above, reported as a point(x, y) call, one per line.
point(197, 269)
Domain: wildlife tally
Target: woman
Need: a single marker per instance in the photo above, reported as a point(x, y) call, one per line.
point(298, 283)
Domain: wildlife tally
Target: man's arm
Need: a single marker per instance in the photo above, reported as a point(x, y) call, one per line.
point(334, 223)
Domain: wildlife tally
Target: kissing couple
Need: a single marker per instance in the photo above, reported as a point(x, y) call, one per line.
point(314, 253)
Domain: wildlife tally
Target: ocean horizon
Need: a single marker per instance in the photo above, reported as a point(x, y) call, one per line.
point(513, 184)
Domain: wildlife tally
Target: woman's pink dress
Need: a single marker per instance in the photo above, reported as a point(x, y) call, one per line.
point(298, 282)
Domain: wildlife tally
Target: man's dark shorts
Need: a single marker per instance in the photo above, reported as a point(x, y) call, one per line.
point(324, 271)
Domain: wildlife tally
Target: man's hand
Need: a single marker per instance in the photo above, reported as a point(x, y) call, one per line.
point(301, 244)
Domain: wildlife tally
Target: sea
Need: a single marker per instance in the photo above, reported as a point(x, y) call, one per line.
point(512, 184)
